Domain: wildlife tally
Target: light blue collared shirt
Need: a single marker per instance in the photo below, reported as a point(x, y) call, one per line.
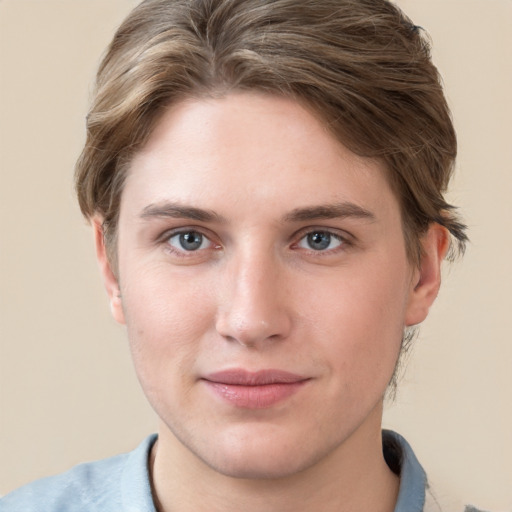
point(121, 484)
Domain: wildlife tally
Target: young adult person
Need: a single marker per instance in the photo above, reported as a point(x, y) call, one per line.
point(265, 183)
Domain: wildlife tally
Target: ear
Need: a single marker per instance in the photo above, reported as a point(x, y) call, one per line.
point(109, 278)
point(427, 278)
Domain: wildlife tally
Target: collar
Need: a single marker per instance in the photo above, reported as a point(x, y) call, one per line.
point(413, 480)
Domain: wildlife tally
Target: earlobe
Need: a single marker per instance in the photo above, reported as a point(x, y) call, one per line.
point(109, 278)
point(427, 278)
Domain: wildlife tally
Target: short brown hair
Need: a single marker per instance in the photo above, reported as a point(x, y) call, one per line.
point(361, 65)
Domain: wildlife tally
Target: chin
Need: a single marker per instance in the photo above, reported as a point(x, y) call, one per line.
point(267, 467)
point(262, 455)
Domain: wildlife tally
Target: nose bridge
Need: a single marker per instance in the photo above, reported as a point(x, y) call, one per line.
point(254, 305)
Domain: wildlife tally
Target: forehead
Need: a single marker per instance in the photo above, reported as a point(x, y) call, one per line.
point(248, 151)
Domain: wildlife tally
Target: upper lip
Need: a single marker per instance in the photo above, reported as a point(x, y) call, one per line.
point(240, 377)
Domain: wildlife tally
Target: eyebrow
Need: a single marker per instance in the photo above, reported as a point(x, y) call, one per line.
point(178, 211)
point(327, 211)
point(330, 211)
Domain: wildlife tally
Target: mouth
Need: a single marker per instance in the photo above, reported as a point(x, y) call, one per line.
point(254, 390)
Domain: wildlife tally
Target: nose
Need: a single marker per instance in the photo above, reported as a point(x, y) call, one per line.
point(254, 308)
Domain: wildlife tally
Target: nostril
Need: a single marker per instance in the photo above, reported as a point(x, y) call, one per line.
point(249, 332)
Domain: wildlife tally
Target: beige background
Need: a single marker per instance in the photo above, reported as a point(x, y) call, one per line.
point(67, 390)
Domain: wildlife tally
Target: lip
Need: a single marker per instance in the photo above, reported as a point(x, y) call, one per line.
point(254, 390)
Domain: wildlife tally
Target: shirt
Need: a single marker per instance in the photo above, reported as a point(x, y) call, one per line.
point(122, 484)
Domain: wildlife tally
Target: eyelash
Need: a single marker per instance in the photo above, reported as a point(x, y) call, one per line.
point(183, 253)
point(345, 241)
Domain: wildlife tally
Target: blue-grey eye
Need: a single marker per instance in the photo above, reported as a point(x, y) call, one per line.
point(320, 241)
point(189, 241)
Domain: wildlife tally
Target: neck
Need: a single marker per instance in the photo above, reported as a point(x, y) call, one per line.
point(354, 477)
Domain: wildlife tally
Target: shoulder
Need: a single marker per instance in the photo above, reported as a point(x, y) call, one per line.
point(81, 488)
point(91, 487)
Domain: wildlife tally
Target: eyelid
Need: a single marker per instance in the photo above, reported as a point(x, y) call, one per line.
point(347, 240)
point(170, 233)
point(204, 240)
point(341, 234)
point(304, 241)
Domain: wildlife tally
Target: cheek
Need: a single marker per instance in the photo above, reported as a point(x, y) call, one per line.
point(360, 321)
point(165, 323)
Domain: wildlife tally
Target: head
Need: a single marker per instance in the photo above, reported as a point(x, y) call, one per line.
point(185, 91)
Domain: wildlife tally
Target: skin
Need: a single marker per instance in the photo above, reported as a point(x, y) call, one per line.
point(256, 295)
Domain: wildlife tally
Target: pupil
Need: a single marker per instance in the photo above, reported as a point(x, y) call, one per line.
point(191, 240)
point(319, 240)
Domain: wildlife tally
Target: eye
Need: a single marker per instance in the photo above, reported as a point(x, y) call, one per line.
point(320, 241)
point(189, 241)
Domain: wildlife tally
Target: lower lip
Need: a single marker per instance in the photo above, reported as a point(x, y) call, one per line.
point(255, 397)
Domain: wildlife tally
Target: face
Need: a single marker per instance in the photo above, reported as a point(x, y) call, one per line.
point(264, 284)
